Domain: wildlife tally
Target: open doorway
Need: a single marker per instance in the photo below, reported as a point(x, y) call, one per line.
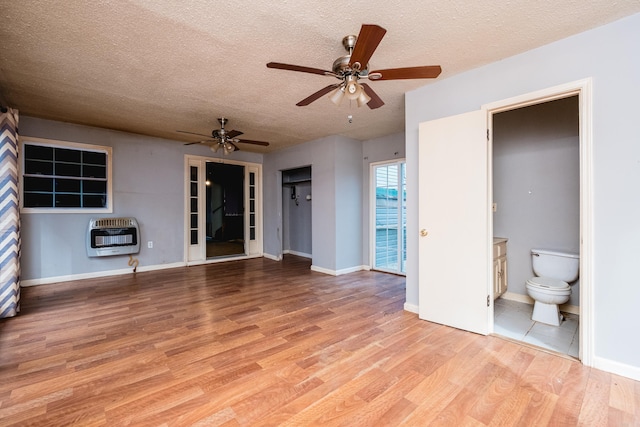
point(223, 210)
point(455, 226)
point(224, 207)
point(536, 205)
point(296, 212)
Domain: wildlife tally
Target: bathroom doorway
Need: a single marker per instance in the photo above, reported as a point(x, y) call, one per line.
point(458, 149)
point(536, 204)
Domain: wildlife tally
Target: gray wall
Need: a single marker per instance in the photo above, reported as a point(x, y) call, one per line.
point(348, 195)
point(297, 219)
point(148, 183)
point(608, 54)
point(390, 147)
point(347, 188)
point(536, 185)
point(335, 165)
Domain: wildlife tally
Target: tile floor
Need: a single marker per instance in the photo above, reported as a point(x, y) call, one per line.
point(512, 319)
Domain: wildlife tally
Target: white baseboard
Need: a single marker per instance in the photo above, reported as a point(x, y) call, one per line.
point(97, 274)
point(350, 270)
point(617, 368)
point(224, 259)
point(338, 272)
point(567, 308)
point(411, 308)
point(296, 253)
point(140, 269)
point(272, 257)
point(323, 270)
point(517, 297)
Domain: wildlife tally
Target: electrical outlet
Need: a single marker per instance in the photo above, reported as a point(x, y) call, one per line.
point(150, 244)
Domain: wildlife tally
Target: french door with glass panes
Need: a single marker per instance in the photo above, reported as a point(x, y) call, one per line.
point(389, 219)
point(246, 213)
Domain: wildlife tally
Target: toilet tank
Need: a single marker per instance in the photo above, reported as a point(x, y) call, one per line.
point(555, 264)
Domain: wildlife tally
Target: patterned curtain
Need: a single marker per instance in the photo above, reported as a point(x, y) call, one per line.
point(9, 215)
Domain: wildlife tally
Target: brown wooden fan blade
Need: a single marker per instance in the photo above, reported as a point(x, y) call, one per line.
point(375, 102)
point(367, 42)
point(193, 133)
point(290, 67)
point(309, 99)
point(234, 133)
point(248, 141)
point(425, 72)
point(196, 142)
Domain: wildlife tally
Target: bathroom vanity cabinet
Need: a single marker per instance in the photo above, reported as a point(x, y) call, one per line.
point(499, 266)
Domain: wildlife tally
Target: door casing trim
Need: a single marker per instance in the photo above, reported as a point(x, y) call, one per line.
point(583, 89)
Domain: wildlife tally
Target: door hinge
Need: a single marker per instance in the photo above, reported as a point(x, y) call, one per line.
point(487, 134)
point(488, 300)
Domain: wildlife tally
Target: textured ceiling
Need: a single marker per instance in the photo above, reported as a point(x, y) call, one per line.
point(155, 66)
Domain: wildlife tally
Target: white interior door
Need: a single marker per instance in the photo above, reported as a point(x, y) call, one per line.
point(454, 270)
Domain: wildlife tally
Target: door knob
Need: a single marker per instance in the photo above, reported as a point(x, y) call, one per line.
point(423, 233)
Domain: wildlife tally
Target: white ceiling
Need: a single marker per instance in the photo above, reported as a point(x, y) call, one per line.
point(155, 66)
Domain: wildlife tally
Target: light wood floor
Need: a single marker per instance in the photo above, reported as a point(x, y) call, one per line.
point(265, 343)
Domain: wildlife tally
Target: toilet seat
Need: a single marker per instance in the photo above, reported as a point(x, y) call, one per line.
point(547, 283)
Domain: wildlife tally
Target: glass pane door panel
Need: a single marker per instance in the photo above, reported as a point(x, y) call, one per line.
point(390, 217)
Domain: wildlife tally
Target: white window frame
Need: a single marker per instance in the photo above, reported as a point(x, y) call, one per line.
point(372, 218)
point(70, 145)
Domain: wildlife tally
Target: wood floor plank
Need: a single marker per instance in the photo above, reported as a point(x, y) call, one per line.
point(389, 407)
point(567, 409)
point(622, 395)
point(594, 410)
point(265, 343)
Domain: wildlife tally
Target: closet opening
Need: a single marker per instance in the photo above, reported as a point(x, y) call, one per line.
point(296, 212)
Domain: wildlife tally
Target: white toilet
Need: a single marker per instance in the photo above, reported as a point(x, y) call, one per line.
point(554, 271)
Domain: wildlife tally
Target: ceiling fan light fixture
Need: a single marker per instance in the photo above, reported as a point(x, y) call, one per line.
point(352, 88)
point(228, 148)
point(337, 95)
point(355, 66)
point(363, 99)
point(215, 148)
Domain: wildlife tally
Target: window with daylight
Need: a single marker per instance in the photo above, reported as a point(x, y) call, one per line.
point(64, 176)
point(390, 223)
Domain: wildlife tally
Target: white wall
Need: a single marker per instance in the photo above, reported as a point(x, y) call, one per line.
point(609, 55)
point(148, 183)
point(536, 185)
